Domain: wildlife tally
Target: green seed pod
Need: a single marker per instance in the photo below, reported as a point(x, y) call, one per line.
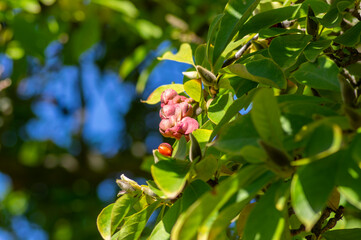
point(312, 24)
point(207, 77)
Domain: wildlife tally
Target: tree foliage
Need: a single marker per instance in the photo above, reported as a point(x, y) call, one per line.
point(52, 48)
point(289, 169)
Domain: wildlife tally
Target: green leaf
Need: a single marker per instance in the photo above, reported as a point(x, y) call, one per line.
point(356, 150)
point(193, 88)
point(320, 75)
point(311, 187)
point(206, 168)
point(219, 106)
point(266, 117)
point(153, 186)
point(125, 7)
point(235, 15)
point(275, 31)
point(104, 222)
point(241, 85)
point(120, 209)
point(131, 62)
point(305, 106)
point(234, 136)
point(170, 176)
point(321, 139)
point(163, 229)
point(351, 37)
point(349, 179)
point(274, 224)
point(195, 152)
point(267, 19)
point(86, 35)
point(314, 49)
point(344, 234)
point(159, 157)
point(154, 97)
point(318, 6)
point(263, 71)
point(334, 16)
point(236, 106)
point(285, 49)
point(331, 19)
point(242, 198)
point(212, 34)
point(200, 56)
point(253, 154)
point(202, 137)
point(206, 206)
point(180, 150)
point(183, 55)
point(134, 224)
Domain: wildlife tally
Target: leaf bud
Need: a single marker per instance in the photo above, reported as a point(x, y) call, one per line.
point(207, 77)
point(312, 24)
point(191, 74)
point(128, 185)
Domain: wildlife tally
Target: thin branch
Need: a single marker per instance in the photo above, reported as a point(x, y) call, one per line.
point(240, 52)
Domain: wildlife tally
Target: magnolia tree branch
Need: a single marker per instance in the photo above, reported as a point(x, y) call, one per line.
point(240, 52)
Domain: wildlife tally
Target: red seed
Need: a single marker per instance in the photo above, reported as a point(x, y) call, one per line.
point(165, 149)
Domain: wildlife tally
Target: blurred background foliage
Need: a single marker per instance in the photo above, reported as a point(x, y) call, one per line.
point(72, 73)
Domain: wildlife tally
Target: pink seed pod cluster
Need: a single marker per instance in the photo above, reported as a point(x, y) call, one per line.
point(176, 115)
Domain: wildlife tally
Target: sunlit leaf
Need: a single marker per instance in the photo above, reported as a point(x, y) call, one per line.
point(320, 75)
point(206, 168)
point(188, 223)
point(104, 222)
point(311, 187)
point(154, 97)
point(244, 196)
point(170, 176)
point(180, 150)
point(274, 224)
point(239, 133)
point(314, 49)
point(120, 209)
point(235, 15)
point(262, 71)
point(163, 229)
point(125, 7)
point(134, 224)
point(266, 117)
point(193, 88)
point(234, 108)
point(183, 55)
point(349, 180)
point(219, 106)
point(286, 49)
point(351, 37)
point(267, 19)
